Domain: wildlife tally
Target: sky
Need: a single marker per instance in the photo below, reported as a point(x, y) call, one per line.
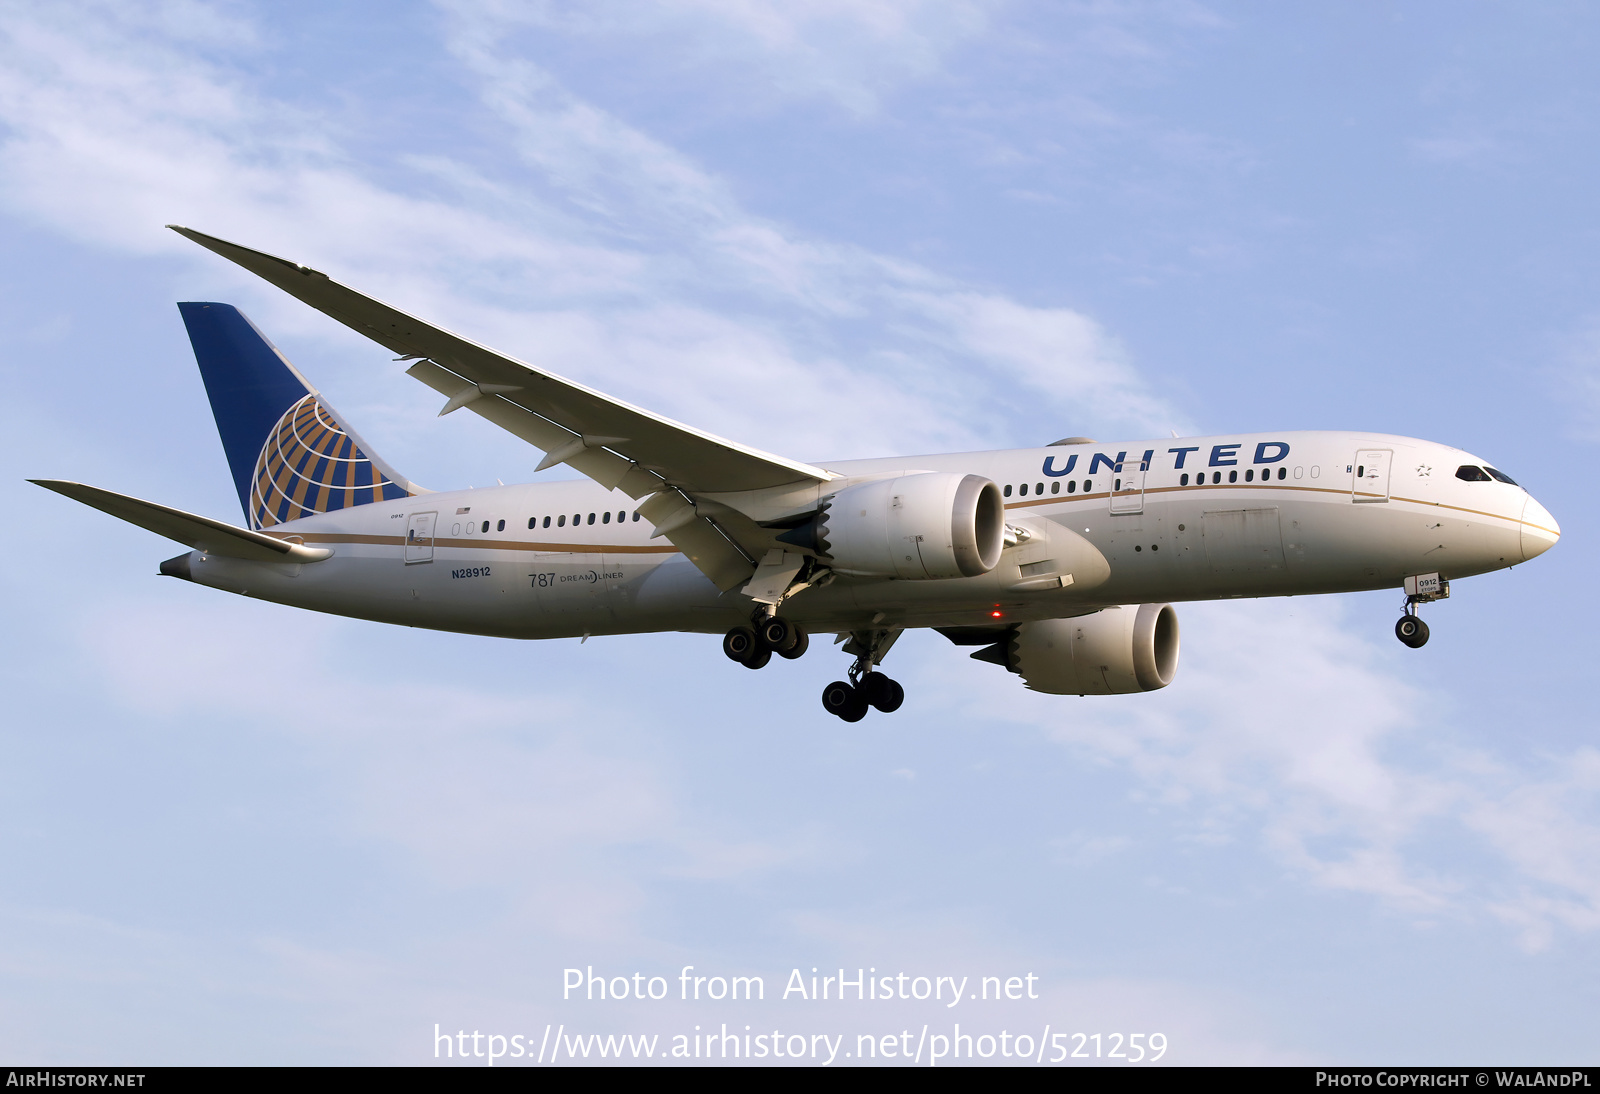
point(232, 832)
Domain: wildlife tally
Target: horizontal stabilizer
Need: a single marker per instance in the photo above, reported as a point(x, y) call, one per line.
point(201, 533)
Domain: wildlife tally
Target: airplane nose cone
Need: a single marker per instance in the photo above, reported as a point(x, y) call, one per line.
point(1539, 530)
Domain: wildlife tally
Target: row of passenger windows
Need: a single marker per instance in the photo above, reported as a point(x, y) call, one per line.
point(1233, 476)
point(577, 519)
point(560, 521)
point(1183, 480)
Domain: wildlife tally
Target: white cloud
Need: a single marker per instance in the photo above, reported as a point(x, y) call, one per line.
point(850, 53)
point(637, 270)
point(1286, 730)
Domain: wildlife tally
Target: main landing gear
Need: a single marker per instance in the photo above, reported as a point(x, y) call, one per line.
point(1421, 589)
point(865, 688)
point(754, 646)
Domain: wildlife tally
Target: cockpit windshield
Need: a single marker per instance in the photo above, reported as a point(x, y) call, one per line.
point(1469, 473)
point(1501, 476)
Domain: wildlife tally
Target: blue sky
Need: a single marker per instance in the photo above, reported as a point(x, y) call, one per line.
point(238, 833)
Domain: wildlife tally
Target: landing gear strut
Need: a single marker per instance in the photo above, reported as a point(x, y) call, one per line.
point(865, 688)
point(1421, 589)
point(754, 646)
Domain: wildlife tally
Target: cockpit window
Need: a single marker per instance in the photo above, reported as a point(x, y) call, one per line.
point(1501, 476)
point(1468, 473)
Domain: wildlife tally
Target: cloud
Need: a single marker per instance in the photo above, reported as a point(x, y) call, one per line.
point(625, 264)
point(756, 54)
point(1285, 730)
point(1467, 147)
point(479, 785)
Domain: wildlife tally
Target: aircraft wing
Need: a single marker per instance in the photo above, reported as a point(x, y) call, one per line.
point(201, 533)
point(617, 445)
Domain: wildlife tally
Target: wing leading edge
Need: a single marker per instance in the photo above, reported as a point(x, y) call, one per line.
point(618, 445)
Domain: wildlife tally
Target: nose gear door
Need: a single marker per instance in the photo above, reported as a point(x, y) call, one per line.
point(1369, 476)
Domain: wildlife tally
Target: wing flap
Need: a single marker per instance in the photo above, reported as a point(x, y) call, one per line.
point(604, 467)
point(201, 533)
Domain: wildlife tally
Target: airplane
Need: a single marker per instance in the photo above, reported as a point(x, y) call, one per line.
point(1058, 563)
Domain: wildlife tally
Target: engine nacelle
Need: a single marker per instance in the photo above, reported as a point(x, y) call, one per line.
point(926, 524)
point(1115, 651)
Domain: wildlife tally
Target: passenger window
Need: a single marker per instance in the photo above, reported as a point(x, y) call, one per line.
point(605, 518)
point(1283, 473)
point(1501, 476)
point(1038, 488)
point(485, 527)
point(1233, 476)
point(1023, 490)
point(636, 514)
point(1088, 485)
point(1183, 479)
point(1008, 490)
point(1468, 473)
point(561, 521)
point(591, 518)
point(547, 522)
point(1072, 487)
point(532, 521)
point(500, 527)
point(1250, 476)
point(1055, 487)
point(1216, 477)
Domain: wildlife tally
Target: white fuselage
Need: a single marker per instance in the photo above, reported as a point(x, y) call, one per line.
point(592, 568)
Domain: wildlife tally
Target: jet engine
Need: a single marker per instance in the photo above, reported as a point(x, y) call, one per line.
point(922, 525)
point(1115, 651)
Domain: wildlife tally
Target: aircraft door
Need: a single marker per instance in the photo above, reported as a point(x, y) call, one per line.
point(419, 537)
point(1127, 488)
point(1369, 477)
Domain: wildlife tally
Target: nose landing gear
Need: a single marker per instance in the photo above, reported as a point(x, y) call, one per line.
point(865, 688)
point(1411, 630)
point(1420, 589)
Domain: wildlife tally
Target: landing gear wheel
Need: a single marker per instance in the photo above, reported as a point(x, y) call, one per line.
point(844, 701)
point(1412, 631)
point(802, 642)
point(779, 634)
point(740, 644)
point(759, 659)
point(881, 692)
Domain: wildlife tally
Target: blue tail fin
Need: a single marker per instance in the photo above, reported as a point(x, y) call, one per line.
point(290, 453)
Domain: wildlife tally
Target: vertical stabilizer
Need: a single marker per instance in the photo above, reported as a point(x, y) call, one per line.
point(290, 453)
